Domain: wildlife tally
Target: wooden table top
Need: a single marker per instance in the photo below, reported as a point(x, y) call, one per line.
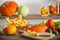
point(31, 17)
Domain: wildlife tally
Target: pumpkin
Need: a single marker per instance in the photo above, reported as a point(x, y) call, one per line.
point(8, 8)
point(11, 29)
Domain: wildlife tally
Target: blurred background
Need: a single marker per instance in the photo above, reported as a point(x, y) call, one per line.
point(34, 5)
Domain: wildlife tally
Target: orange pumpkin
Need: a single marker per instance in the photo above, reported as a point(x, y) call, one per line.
point(11, 29)
point(8, 8)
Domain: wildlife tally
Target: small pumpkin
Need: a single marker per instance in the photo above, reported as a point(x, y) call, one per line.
point(11, 29)
point(8, 8)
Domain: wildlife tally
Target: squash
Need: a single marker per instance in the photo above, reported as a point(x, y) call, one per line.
point(8, 8)
point(11, 29)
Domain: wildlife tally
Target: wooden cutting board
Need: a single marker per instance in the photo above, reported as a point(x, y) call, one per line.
point(41, 36)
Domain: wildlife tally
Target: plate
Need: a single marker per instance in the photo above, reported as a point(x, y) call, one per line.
point(42, 35)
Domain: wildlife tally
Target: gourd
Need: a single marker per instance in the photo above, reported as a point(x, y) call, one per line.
point(8, 8)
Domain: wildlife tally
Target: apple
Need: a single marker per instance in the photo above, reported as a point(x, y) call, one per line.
point(23, 10)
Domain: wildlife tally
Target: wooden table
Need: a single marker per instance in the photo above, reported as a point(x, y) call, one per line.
point(29, 17)
point(12, 37)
